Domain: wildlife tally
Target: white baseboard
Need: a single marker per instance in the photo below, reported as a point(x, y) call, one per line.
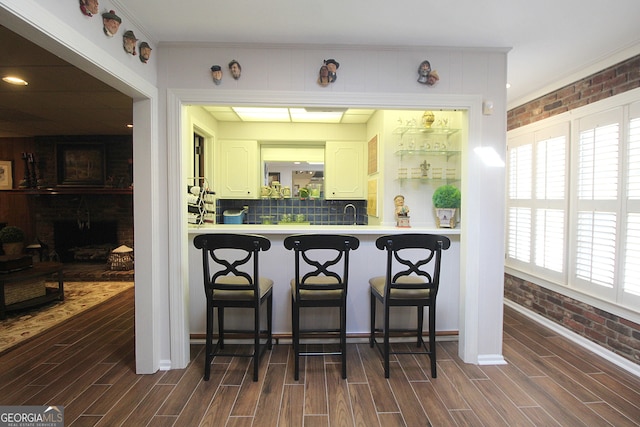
point(165, 365)
point(612, 357)
point(491, 359)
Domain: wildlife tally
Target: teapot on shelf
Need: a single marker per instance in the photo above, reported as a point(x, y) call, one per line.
point(276, 190)
point(265, 191)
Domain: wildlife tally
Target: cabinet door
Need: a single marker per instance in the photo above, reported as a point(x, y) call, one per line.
point(344, 170)
point(238, 164)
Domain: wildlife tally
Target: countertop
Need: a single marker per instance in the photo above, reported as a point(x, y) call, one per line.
point(337, 229)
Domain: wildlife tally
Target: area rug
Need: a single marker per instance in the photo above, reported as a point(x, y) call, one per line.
point(22, 325)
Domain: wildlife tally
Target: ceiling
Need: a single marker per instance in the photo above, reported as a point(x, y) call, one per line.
point(552, 43)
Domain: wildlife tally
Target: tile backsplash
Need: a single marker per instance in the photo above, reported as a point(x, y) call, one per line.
point(317, 212)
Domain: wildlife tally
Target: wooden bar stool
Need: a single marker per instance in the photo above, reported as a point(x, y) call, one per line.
point(321, 279)
point(412, 280)
point(231, 279)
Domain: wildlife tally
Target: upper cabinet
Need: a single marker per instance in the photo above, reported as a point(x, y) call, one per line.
point(345, 174)
point(238, 170)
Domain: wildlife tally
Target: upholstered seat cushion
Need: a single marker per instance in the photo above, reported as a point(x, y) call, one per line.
point(264, 284)
point(378, 285)
point(308, 294)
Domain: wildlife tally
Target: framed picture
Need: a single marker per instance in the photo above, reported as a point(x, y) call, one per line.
point(81, 164)
point(372, 158)
point(6, 175)
point(372, 197)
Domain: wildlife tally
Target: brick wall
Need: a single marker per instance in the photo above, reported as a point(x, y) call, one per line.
point(612, 332)
point(608, 82)
point(100, 207)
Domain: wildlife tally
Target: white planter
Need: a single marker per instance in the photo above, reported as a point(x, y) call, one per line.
point(446, 217)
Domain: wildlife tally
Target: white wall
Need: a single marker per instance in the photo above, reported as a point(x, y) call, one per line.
point(381, 78)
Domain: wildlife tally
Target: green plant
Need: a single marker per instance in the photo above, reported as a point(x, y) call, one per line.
point(446, 196)
point(11, 234)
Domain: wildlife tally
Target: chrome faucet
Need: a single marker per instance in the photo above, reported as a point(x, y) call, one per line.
point(350, 205)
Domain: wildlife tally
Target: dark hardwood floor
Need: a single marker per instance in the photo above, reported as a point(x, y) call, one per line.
point(87, 365)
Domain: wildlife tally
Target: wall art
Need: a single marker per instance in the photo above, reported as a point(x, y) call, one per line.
point(129, 41)
point(328, 72)
point(235, 69)
point(110, 23)
point(216, 74)
point(426, 75)
point(89, 7)
point(6, 175)
point(81, 164)
point(145, 52)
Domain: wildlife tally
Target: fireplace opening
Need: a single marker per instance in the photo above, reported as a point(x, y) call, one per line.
point(86, 243)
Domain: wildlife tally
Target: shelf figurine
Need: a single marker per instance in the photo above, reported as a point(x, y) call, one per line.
point(401, 211)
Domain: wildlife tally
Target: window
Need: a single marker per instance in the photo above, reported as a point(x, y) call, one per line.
point(584, 236)
point(537, 206)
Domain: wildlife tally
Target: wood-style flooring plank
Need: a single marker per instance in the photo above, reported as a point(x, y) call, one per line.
point(250, 391)
point(380, 389)
point(474, 398)
point(146, 410)
point(292, 406)
point(269, 403)
point(340, 413)
point(501, 402)
point(410, 407)
point(220, 407)
point(315, 393)
point(364, 410)
point(613, 416)
point(437, 413)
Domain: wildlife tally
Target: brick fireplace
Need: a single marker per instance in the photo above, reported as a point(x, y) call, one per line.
point(85, 209)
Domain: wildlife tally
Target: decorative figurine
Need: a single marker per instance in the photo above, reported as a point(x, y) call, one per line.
point(235, 69)
point(145, 52)
point(89, 7)
point(323, 76)
point(427, 119)
point(216, 74)
point(129, 41)
point(401, 211)
point(332, 66)
point(110, 23)
point(426, 75)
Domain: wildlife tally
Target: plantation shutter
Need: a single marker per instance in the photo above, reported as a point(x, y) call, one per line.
point(597, 200)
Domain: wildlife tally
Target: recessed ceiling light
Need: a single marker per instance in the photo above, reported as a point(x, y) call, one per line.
point(15, 81)
point(508, 85)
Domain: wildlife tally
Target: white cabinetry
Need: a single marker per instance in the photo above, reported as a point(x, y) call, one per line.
point(238, 170)
point(344, 170)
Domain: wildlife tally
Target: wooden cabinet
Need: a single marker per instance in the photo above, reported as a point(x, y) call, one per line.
point(238, 170)
point(344, 170)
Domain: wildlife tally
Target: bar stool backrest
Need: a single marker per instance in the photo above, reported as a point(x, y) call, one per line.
point(413, 255)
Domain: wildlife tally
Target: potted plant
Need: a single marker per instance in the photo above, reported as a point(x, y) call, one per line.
point(12, 239)
point(446, 201)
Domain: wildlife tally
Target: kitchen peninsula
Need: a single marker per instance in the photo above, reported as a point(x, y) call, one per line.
point(367, 261)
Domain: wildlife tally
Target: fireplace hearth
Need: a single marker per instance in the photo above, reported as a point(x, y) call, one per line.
point(85, 242)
